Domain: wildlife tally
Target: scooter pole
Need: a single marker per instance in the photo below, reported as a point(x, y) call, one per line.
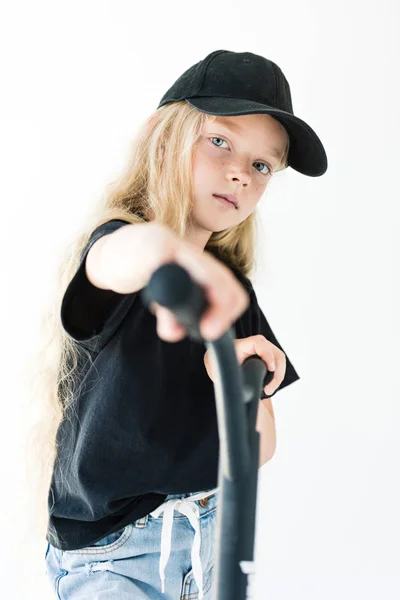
point(237, 393)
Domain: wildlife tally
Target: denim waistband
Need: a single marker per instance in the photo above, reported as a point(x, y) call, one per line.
point(186, 505)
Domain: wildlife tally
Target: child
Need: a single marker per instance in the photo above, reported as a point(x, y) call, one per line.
point(137, 433)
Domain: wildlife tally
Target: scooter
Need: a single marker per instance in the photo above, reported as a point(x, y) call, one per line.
point(237, 393)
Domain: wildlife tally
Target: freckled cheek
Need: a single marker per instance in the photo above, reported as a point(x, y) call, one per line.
point(205, 172)
point(259, 190)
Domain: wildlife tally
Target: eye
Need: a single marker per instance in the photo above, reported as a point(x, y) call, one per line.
point(218, 138)
point(256, 163)
point(265, 165)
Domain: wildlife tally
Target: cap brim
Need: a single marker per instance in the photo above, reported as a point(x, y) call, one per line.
point(306, 153)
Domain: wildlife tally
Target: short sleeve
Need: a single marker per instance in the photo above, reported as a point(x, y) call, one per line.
point(261, 326)
point(91, 315)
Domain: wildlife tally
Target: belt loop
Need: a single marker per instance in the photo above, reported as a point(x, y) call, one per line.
point(142, 522)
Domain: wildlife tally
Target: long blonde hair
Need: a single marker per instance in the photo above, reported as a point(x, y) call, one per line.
point(156, 183)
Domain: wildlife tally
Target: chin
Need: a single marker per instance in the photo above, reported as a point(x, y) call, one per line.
point(214, 227)
point(212, 221)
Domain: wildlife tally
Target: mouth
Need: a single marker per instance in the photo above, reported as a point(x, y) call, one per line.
point(229, 198)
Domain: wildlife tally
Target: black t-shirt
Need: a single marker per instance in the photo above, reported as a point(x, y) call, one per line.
point(143, 423)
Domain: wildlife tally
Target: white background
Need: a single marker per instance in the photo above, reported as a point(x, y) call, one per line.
point(77, 79)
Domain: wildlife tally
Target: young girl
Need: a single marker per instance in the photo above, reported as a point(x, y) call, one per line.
point(132, 493)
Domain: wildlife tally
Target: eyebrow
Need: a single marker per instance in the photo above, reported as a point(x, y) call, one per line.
point(272, 151)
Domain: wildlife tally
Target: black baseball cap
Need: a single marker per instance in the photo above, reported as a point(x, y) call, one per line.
point(227, 83)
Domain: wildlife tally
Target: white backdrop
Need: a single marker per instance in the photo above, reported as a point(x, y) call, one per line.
point(77, 79)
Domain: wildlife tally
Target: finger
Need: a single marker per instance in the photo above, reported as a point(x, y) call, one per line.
point(153, 307)
point(227, 304)
point(168, 328)
point(228, 299)
point(279, 373)
point(265, 350)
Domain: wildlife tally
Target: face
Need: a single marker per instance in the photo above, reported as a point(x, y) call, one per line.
point(235, 155)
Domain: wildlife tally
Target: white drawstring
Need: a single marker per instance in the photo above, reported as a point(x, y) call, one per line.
point(189, 508)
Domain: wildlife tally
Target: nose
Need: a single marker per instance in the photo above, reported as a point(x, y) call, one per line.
point(240, 180)
point(242, 175)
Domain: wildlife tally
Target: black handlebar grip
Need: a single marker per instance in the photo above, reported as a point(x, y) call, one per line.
point(172, 287)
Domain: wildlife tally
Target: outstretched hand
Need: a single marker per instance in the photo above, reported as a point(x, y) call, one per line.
point(273, 357)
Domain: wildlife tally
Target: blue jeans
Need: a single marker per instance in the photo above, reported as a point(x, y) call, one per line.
point(130, 563)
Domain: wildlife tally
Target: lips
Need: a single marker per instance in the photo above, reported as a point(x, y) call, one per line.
point(230, 197)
